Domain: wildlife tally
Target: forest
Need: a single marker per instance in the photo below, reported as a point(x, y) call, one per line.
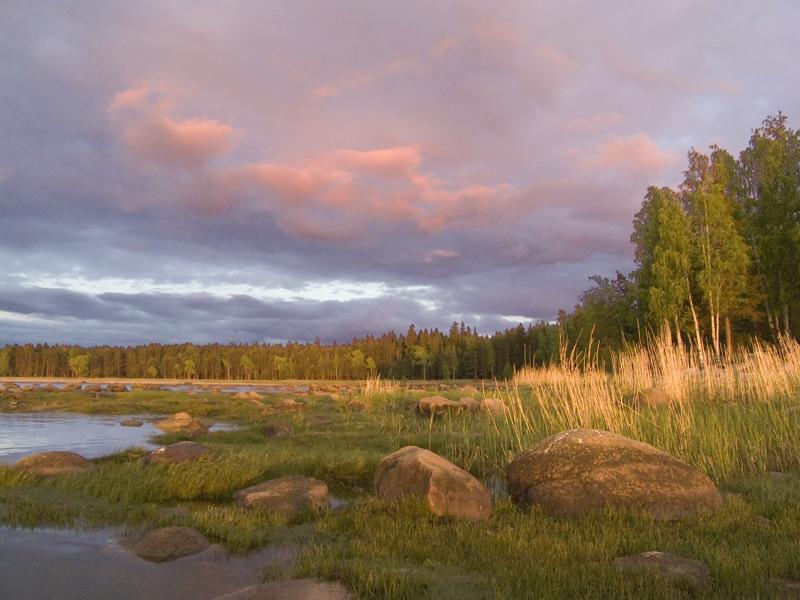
point(717, 264)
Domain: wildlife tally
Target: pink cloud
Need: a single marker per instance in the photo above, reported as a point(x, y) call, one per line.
point(187, 143)
point(150, 131)
point(636, 152)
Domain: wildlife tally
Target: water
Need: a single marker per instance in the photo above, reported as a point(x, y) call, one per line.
point(91, 436)
point(45, 564)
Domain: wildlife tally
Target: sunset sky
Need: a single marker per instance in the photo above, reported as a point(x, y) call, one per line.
point(264, 171)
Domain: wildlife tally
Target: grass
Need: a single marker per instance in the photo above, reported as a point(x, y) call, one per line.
point(735, 421)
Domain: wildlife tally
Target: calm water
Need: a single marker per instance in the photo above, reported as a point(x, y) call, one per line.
point(45, 564)
point(90, 436)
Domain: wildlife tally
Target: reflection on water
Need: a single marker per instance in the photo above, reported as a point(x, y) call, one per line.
point(22, 434)
point(48, 564)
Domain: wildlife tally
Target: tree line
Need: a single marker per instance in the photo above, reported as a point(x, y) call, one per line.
point(717, 264)
point(461, 353)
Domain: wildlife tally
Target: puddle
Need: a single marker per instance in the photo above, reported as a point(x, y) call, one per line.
point(46, 564)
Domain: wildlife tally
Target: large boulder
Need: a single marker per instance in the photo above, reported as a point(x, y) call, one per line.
point(177, 453)
point(291, 494)
point(166, 544)
point(585, 469)
point(54, 463)
point(291, 589)
point(182, 421)
point(447, 489)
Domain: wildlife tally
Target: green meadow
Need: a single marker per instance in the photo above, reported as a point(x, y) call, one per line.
point(737, 420)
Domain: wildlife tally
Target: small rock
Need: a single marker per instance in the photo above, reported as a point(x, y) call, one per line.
point(277, 429)
point(182, 421)
point(291, 494)
point(131, 423)
point(289, 405)
point(652, 396)
point(54, 463)
point(670, 566)
point(166, 544)
point(494, 406)
point(241, 396)
point(177, 453)
point(255, 395)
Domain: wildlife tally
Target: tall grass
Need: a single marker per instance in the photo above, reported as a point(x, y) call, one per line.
point(728, 418)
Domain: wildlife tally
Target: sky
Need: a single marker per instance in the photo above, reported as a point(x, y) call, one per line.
point(264, 171)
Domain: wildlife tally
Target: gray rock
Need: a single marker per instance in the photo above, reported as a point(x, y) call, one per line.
point(670, 566)
point(166, 544)
point(177, 453)
point(292, 589)
point(291, 494)
point(447, 489)
point(585, 469)
point(54, 463)
point(131, 423)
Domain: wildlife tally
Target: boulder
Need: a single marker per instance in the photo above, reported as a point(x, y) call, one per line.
point(652, 396)
point(670, 566)
point(356, 405)
point(447, 489)
point(469, 389)
point(470, 404)
point(166, 544)
point(92, 388)
point(292, 589)
point(182, 421)
point(131, 423)
point(72, 386)
point(438, 405)
point(580, 470)
point(241, 396)
point(255, 395)
point(289, 405)
point(494, 406)
point(291, 494)
point(54, 463)
point(277, 429)
point(177, 453)
point(116, 386)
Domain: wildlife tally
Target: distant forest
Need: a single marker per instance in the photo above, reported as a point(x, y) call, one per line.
point(717, 264)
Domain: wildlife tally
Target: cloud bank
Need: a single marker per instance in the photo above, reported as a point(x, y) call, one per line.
point(216, 172)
